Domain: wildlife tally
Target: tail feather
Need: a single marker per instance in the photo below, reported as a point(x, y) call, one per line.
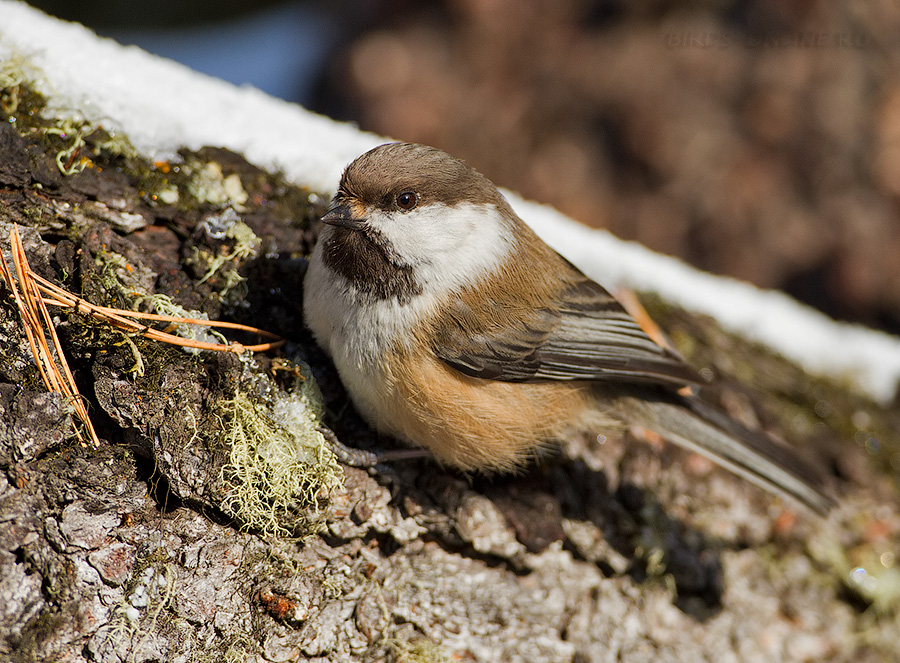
point(693, 424)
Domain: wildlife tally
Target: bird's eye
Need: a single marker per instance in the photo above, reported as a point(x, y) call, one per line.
point(407, 200)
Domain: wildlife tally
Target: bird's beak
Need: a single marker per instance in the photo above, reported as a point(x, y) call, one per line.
point(341, 215)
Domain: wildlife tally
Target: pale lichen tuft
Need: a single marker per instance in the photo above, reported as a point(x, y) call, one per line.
point(280, 467)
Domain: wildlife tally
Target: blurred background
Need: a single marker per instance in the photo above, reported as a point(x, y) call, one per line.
point(756, 138)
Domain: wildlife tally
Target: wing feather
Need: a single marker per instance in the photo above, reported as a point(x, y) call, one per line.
point(583, 334)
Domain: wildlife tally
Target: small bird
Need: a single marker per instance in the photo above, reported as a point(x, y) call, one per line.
point(455, 328)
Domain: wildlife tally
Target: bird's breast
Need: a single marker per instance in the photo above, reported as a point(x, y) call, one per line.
point(472, 423)
point(360, 332)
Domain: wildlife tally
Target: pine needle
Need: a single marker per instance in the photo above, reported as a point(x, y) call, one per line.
point(32, 294)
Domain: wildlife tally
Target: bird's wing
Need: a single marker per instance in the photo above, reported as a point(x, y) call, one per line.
point(583, 334)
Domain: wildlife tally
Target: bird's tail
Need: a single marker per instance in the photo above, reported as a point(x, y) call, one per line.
point(691, 423)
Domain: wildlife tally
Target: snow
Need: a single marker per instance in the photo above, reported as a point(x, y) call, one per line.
point(162, 106)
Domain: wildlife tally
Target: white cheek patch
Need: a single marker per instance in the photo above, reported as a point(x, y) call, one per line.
point(447, 249)
point(447, 246)
point(347, 320)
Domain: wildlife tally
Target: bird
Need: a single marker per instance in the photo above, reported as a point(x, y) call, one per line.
point(456, 329)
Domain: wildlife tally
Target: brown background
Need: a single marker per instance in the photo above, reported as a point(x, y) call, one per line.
point(757, 139)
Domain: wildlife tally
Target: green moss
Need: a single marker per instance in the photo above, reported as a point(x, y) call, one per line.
point(134, 625)
point(208, 184)
point(241, 244)
point(20, 103)
point(40, 629)
point(417, 651)
point(237, 649)
point(74, 141)
point(163, 305)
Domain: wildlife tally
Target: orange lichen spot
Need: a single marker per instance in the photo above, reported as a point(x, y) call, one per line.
point(280, 607)
point(784, 523)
